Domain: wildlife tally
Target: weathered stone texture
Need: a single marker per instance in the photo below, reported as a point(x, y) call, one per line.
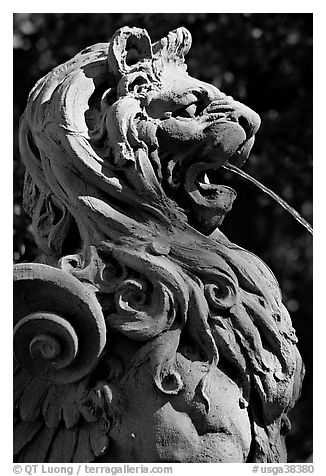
point(143, 335)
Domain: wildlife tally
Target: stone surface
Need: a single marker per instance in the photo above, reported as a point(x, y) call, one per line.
point(143, 335)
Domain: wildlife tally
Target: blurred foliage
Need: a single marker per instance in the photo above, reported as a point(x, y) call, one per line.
point(265, 61)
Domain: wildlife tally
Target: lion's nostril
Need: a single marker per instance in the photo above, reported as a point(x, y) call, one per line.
point(250, 123)
point(247, 126)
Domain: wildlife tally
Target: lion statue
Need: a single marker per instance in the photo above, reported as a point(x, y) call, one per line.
point(142, 334)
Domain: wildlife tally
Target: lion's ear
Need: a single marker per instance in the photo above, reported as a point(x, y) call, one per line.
point(128, 47)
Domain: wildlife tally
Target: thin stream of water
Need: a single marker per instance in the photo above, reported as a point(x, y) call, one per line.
point(283, 203)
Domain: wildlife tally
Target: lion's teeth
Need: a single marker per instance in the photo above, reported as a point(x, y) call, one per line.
point(206, 180)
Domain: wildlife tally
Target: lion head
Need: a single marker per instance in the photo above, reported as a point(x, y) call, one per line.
point(147, 131)
point(122, 150)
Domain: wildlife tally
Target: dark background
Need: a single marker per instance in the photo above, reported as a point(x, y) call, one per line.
point(263, 60)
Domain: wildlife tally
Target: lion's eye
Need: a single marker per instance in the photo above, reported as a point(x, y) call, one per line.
point(137, 83)
point(189, 111)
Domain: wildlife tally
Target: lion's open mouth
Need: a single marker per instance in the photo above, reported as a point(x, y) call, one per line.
point(197, 188)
